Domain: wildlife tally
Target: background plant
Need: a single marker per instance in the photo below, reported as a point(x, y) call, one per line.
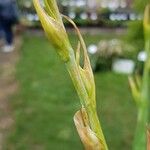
point(135, 28)
point(140, 90)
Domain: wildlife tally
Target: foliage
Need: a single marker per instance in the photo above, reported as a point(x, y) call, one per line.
point(140, 90)
point(135, 32)
point(139, 5)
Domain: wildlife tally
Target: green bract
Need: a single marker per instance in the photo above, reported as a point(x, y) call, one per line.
point(53, 26)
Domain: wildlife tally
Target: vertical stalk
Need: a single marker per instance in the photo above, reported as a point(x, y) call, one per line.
point(140, 134)
point(73, 70)
point(143, 108)
point(82, 78)
point(96, 126)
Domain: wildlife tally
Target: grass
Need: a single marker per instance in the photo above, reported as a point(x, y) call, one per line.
point(46, 102)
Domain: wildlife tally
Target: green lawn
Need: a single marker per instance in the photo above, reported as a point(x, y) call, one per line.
point(46, 102)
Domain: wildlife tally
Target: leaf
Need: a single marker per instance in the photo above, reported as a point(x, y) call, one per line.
point(52, 9)
point(78, 54)
point(88, 137)
point(89, 86)
point(85, 72)
point(138, 81)
point(134, 90)
point(86, 58)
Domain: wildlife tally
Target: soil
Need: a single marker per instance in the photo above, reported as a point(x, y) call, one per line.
point(8, 86)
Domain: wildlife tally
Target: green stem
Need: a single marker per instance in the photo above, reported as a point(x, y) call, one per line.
point(140, 135)
point(96, 126)
point(145, 84)
point(73, 70)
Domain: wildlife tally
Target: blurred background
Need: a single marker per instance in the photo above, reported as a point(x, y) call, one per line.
point(37, 98)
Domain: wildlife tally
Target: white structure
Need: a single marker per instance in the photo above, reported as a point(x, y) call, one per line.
point(124, 66)
point(74, 3)
point(93, 4)
point(113, 4)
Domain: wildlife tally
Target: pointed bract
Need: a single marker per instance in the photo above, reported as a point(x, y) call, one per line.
point(54, 31)
point(52, 9)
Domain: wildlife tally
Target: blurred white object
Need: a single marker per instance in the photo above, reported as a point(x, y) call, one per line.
point(92, 49)
point(132, 16)
point(142, 56)
point(72, 15)
point(84, 16)
point(32, 17)
point(8, 48)
point(64, 3)
point(27, 4)
point(118, 17)
point(125, 66)
point(94, 16)
point(80, 3)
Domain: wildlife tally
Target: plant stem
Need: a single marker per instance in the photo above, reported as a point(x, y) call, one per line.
point(143, 108)
point(73, 70)
point(96, 126)
point(140, 134)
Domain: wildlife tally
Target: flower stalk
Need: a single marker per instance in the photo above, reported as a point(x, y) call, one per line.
point(82, 77)
point(148, 139)
point(140, 90)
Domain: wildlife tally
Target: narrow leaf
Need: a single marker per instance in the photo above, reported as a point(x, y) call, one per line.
point(134, 90)
point(78, 54)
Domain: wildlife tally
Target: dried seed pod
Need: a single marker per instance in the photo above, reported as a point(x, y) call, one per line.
point(87, 136)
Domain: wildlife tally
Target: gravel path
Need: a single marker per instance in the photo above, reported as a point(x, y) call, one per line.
point(8, 86)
